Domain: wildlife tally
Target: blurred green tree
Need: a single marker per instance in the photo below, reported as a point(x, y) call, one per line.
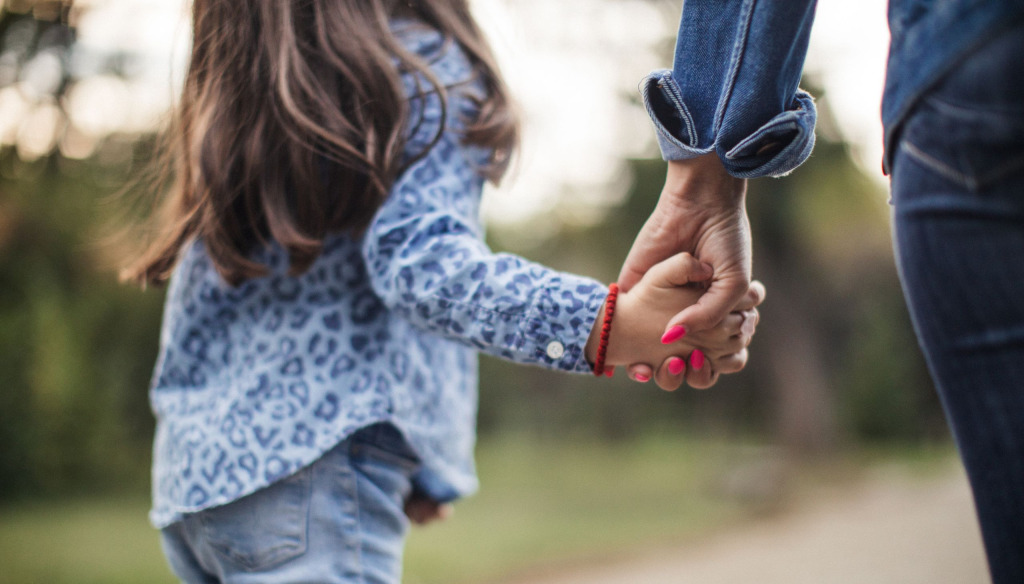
point(77, 348)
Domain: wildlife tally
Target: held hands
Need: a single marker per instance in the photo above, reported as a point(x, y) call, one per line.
point(702, 210)
point(641, 312)
point(699, 370)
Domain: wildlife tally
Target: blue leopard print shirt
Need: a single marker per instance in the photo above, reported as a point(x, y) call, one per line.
point(255, 382)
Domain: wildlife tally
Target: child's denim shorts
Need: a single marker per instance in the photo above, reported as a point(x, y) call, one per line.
point(338, 520)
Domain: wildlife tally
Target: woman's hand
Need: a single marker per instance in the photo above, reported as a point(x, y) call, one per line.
point(702, 210)
point(702, 368)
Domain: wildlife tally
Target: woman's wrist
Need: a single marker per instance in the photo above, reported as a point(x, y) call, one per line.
point(704, 182)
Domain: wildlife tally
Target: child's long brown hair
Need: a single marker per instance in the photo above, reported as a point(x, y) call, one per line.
point(292, 122)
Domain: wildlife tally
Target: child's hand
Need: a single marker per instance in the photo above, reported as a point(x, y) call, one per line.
point(641, 312)
point(702, 372)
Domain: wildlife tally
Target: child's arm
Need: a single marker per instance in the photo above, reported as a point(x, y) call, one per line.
point(427, 261)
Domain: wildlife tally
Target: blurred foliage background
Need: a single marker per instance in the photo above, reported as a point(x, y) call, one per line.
point(834, 368)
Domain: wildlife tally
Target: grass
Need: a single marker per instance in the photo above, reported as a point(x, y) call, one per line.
point(94, 541)
point(542, 504)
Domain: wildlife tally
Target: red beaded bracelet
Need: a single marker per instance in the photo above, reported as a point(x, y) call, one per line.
point(606, 329)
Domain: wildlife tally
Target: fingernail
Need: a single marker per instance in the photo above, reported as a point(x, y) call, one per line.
point(697, 359)
point(610, 372)
point(676, 366)
point(748, 327)
point(674, 334)
point(707, 268)
point(642, 378)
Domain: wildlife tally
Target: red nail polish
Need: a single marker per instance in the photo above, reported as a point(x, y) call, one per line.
point(610, 372)
point(674, 334)
point(676, 366)
point(642, 378)
point(697, 359)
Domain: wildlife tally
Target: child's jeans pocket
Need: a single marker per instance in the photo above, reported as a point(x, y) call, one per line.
point(263, 529)
point(382, 456)
point(384, 443)
point(340, 519)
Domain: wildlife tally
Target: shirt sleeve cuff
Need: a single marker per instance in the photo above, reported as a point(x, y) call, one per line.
point(556, 333)
point(774, 149)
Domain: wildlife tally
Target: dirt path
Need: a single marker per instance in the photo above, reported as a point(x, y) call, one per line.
point(888, 530)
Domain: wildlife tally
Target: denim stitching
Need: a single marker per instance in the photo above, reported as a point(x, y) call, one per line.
point(792, 155)
point(956, 109)
point(774, 126)
point(937, 165)
point(746, 15)
point(670, 90)
point(272, 556)
point(972, 182)
point(773, 166)
point(357, 543)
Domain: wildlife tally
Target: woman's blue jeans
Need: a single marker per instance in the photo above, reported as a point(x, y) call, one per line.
point(958, 198)
point(339, 520)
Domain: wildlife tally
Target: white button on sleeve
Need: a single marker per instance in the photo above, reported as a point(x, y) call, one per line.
point(556, 350)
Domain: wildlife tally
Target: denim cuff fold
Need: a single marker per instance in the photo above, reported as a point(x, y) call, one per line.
point(775, 149)
point(676, 131)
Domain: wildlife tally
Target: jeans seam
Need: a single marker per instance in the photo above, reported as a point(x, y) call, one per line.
point(662, 83)
point(672, 94)
point(971, 182)
point(746, 16)
point(356, 512)
point(938, 166)
point(192, 532)
point(951, 109)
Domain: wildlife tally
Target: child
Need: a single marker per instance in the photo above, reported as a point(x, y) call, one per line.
point(329, 287)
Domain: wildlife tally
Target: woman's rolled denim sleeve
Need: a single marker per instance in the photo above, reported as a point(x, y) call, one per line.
point(733, 88)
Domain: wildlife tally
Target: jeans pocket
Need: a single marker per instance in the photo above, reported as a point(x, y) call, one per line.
point(264, 529)
point(384, 443)
point(381, 454)
point(969, 128)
